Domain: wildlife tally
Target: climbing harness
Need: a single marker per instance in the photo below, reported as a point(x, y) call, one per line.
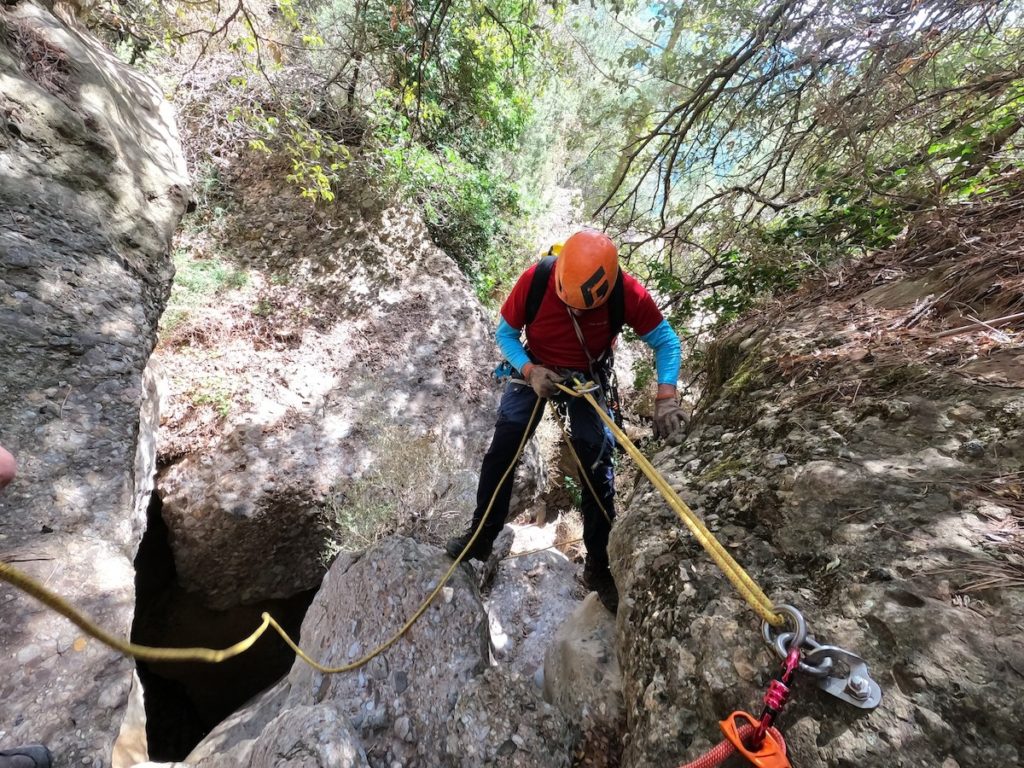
point(839, 672)
point(602, 371)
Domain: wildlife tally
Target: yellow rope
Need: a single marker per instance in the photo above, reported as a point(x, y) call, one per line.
point(29, 585)
point(733, 571)
point(583, 471)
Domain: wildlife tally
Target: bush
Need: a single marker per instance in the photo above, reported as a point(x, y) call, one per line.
point(196, 281)
point(402, 491)
point(470, 211)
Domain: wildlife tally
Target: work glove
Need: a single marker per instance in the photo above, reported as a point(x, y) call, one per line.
point(668, 417)
point(543, 380)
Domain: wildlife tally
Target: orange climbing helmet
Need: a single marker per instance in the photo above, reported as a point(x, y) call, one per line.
point(587, 269)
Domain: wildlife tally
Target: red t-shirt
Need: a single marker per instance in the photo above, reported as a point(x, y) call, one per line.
point(551, 338)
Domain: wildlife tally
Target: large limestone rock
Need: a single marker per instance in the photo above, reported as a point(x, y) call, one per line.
point(373, 399)
point(867, 477)
point(308, 737)
point(582, 678)
point(533, 593)
point(92, 184)
point(399, 705)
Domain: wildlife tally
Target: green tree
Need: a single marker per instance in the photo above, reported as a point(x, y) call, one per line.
point(737, 143)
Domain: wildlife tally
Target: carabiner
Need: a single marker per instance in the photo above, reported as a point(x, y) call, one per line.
point(580, 385)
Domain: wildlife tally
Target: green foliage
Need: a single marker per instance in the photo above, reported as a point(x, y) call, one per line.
point(862, 214)
point(217, 393)
point(445, 129)
point(360, 522)
point(206, 186)
point(470, 210)
point(435, 97)
point(263, 308)
point(400, 488)
point(845, 220)
point(461, 73)
point(196, 281)
point(745, 142)
point(643, 373)
point(755, 141)
point(742, 280)
point(572, 487)
point(316, 158)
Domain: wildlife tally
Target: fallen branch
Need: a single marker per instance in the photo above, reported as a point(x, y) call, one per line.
point(990, 324)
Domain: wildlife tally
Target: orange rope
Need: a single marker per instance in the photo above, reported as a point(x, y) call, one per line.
point(725, 749)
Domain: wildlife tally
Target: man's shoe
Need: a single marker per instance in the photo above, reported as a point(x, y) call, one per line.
point(33, 756)
point(600, 580)
point(481, 549)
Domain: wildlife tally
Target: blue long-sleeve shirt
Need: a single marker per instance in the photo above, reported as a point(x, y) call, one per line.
point(663, 340)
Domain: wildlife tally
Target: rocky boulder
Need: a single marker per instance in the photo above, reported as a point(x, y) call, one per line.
point(308, 737)
point(533, 593)
point(581, 670)
point(501, 720)
point(92, 184)
point(399, 704)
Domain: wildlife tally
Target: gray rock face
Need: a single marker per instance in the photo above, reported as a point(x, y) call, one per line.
point(880, 525)
point(308, 737)
point(581, 671)
point(317, 736)
point(501, 720)
point(232, 741)
point(582, 678)
point(398, 705)
point(532, 596)
point(92, 184)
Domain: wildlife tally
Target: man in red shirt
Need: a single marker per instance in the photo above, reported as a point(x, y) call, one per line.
point(571, 333)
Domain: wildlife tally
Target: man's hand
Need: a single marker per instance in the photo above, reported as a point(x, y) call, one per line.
point(7, 467)
point(668, 417)
point(543, 380)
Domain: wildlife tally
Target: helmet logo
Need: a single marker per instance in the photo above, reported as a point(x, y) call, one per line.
point(596, 288)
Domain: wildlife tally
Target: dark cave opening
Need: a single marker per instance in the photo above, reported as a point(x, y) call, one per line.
point(184, 701)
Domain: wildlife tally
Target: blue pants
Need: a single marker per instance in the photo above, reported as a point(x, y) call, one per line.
point(592, 442)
